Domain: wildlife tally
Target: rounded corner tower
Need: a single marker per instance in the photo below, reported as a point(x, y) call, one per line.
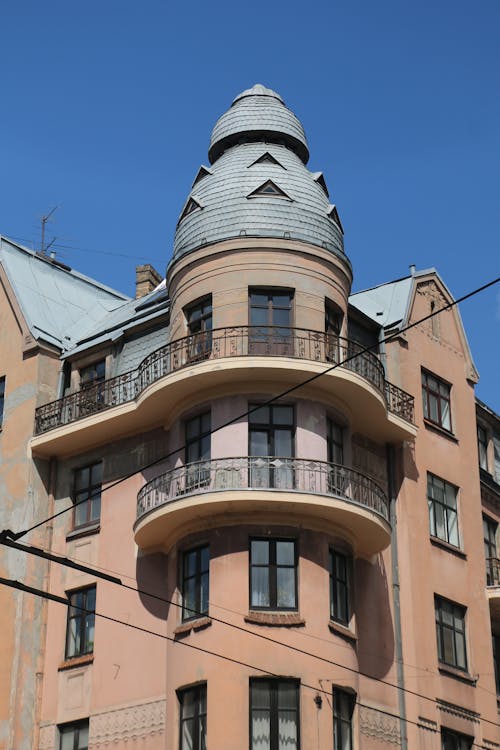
point(257, 184)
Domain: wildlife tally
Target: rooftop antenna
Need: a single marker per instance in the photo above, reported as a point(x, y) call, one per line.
point(44, 221)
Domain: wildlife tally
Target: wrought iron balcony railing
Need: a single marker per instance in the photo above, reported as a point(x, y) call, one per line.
point(267, 473)
point(237, 341)
point(492, 571)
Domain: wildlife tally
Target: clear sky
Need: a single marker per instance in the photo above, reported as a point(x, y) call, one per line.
point(107, 108)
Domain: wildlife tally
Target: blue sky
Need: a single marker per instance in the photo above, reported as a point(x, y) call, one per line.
point(107, 109)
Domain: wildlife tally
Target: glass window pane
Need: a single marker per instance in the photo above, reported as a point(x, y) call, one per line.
point(281, 300)
point(261, 695)
point(287, 730)
point(281, 318)
point(261, 730)
point(205, 558)
point(283, 415)
point(453, 528)
point(83, 737)
point(205, 422)
point(259, 298)
point(260, 552)
point(287, 695)
point(187, 735)
point(67, 739)
point(433, 408)
point(445, 415)
point(190, 597)
point(448, 646)
point(259, 316)
point(82, 478)
point(95, 510)
point(285, 587)
point(204, 593)
point(283, 443)
point(260, 587)
point(193, 428)
point(285, 553)
point(261, 416)
point(439, 519)
point(259, 443)
point(96, 473)
point(460, 651)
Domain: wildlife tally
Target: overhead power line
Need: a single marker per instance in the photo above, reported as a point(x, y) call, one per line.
point(59, 600)
point(18, 535)
point(112, 579)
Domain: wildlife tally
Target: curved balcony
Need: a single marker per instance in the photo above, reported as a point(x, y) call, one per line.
point(219, 357)
point(493, 585)
point(226, 491)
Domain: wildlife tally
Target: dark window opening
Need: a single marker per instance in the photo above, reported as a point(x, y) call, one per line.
point(81, 622)
point(436, 400)
point(270, 322)
point(343, 709)
point(340, 565)
point(274, 715)
point(443, 515)
point(268, 189)
point(87, 486)
point(74, 736)
point(199, 325)
point(198, 450)
point(273, 574)
point(490, 550)
point(482, 447)
point(455, 741)
point(2, 399)
point(193, 718)
point(195, 582)
point(450, 633)
point(271, 446)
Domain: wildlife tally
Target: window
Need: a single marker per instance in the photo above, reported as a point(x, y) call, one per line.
point(270, 322)
point(339, 586)
point(450, 633)
point(443, 517)
point(343, 708)
point(482, 447)
point(273, 574)
point(193, 718)
point(268, 188)
point(333, 318)
point(81, 622)
point(199, 324)
point(195, 581)
point(455, 741)
point(93, 374)
point(334, 442)
point(496, 659)
point(436, 400)
point(490, 550)
point(87, 494)
point(198, 450)
point(274, 715)
point(74, 736)
point(2, 399)
point(270, 444)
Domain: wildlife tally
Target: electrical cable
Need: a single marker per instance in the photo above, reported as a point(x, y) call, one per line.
point(18, 535)
point(64, 561)
point(53, 597)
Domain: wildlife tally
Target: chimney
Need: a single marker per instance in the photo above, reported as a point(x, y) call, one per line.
point(147, 278)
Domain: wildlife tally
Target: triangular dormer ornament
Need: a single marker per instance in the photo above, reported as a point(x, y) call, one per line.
point(202, 172)
point(320, 179)
point(334, 215)
point(268, 189)
point(267, 158)
point(193, 204)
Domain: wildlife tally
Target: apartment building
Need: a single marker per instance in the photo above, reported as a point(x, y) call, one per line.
point(294, 485)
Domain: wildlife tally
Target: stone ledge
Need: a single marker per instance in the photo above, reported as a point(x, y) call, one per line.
point(343, 631)
point(275, 619)
point(192, 625)
point(76, 661)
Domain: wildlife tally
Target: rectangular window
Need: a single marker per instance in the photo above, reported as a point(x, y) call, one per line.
point(482, 447)
point(343, 709)
point(198, 451)
point(193, 718)
point(2, 399)
point(450, 633)
point(334, 442)
point(74, 736)
point(436, 400)
point(339, 587)
point(455, 741)
point(274, 715)
point(81, 622)
point(199, 325)
point(496, 659)
point(273, 574)
point(443, 516)
point(333, 318)
point(490, 550)
point(270, 444)
point(195, 582)
point(270, 322)
point(87, 484)
point(93, 374)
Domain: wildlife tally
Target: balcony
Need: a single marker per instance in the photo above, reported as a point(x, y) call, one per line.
point(225, 491)
point(493, 585)
point(280, 357)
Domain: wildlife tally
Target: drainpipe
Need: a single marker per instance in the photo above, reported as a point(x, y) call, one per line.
point(45, 587)
point(391, 472)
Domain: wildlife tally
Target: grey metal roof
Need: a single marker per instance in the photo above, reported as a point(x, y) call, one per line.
point(227, 212)
point(258, 114)
point(386, 304)
point(58, 303)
